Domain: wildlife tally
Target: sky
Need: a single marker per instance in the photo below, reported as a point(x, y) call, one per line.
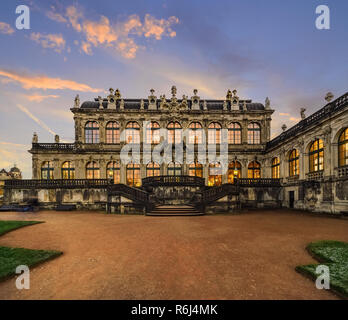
point(260, 48)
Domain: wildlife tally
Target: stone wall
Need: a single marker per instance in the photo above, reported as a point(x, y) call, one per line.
point(327, 196)
point(86, 198)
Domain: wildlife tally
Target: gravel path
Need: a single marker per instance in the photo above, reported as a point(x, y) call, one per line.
point(248, 256)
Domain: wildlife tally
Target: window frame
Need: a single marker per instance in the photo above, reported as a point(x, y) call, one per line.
point(152, 168)
point(174, 132)
point(232, 167)
point(68, 173)
point(132, 132)
point(47, 171)
point(294, 163)
point(214, 133)
point(95, 170)
point(195, 167)
point(92, 133)
point(112, 133)
point(275, 165)
point(316, 156)
point(343, 148)
point(133, 168)
point(197, 136)
point(113, 167)
point(254, 170)
point(254, 133)
point(234, 134)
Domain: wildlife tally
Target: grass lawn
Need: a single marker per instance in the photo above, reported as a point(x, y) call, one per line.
point(10, 258)
point(6, 226)
point(333, 254)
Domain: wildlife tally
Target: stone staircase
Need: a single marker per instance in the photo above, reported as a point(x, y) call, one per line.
point(174, 210)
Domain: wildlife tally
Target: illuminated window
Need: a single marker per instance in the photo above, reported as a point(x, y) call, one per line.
point(215, 174)
point(196, 133)
point(153, 169)
point(92, 170)
point(132, 132)
point(234, 171)
point(174, 169)
point(92, 132)
point(174, 132)
point(68, 170)
point(316, 156)
point(294, 169)
point(196, 170)
point(254, 133)
point(234, 133)
point(113, 132)
point(275, 168)
point(214, 133)
point(133, 175)
point(113, 171)
point(254, 170)
point(153, 133)
point(46, 171)
point(343, 149)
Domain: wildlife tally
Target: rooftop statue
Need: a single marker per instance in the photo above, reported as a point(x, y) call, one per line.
point(77, 101)
point(303, 115)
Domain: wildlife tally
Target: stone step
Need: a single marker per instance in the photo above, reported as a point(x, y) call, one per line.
point(174, 211)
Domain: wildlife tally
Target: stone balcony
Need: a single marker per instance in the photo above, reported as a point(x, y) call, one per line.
point(318, 175)
point(342, 172)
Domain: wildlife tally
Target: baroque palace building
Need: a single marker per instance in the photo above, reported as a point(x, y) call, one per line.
point(305, 167)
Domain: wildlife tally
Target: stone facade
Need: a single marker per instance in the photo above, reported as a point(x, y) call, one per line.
point(317, 180)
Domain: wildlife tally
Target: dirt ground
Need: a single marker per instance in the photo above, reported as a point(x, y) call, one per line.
point(247, 256)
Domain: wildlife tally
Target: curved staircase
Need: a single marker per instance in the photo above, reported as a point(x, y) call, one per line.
point(174, 210)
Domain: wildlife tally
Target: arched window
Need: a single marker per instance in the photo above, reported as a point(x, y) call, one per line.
point(113, 171)
point(234, 171)
point(196, 136)
point(92, 132)
point(196, 169)
point(215, 174)
point(47, 171)
point(133, 175)
point(343, 148)
point(68, 170)
point(113, 132)
point(132, 132)
point(174, 169)
point(234, 133)
point(153, 133)
point(275, 168)
point(316, 156)
point(254, 133)
point(214, 133)
point(174, 132)
point(92, 170)
point(254, 170)
point(153, 169)
point(294, 168)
